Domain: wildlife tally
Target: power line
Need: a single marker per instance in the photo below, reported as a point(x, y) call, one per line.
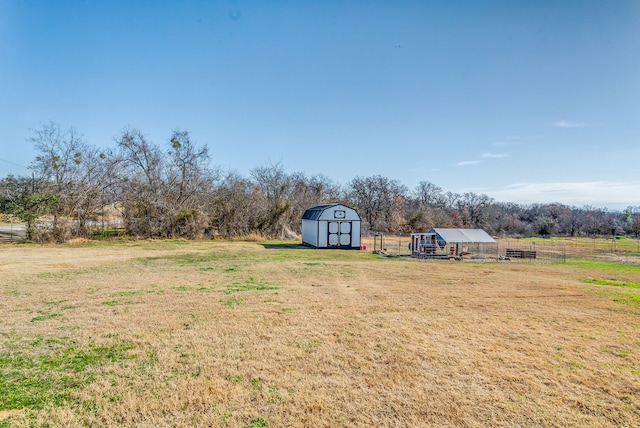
point(13, 163)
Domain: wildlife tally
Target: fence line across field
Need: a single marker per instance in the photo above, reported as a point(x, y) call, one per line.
point(523, 250)
point(554, 250)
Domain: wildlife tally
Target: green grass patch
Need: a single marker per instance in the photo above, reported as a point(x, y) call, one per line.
point(35, 373)
point(180, 259)
point(627, 298)
point(137, 292)
point(615, 283)
point(24, 242)
point(44, 317)
point(57, 302)
point(232, 302)
point(257, 423)
point(199, 287)
point(618, 352)
point(233, 261)
point(127, 293)
point(64, 275)
point(274, 395)
point(251, 284)
point(602, 265)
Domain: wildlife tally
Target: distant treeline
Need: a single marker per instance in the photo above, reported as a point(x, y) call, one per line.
point(172, 191)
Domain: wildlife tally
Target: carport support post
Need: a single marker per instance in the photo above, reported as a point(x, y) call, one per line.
point(532, 247)
point(375, 242)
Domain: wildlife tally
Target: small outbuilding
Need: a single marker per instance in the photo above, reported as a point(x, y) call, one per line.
point(331, 226)
point(445, 243)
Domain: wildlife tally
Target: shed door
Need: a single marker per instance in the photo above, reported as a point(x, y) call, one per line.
point(339, 234)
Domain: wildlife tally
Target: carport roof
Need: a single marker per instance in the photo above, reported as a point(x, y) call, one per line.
point(463, 235)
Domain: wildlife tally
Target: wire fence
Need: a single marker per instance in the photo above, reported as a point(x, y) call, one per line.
point(10, 231)
point(392, 245)
point(532, 251)
point(13, 231)
point(522, 250)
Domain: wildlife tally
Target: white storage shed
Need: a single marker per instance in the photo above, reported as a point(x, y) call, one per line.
point(331, 226)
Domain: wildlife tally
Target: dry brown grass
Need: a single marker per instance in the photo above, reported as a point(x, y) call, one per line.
point(346, 338)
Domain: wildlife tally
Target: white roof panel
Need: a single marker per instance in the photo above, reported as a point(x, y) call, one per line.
point(463, 235)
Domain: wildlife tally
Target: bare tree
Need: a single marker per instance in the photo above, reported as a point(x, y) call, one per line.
point(59, 166)
point(428, 194)
point(139, 166)
point(175, 192)
point(473, 209)
point(60, 153)
point(87, 203)
point(277, 189)
point(380, 201)
point(189, 185)
point(236, 210)
point(636, 225)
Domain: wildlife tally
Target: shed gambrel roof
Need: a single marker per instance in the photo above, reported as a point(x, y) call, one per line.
point(314, 213)
point(463, 235)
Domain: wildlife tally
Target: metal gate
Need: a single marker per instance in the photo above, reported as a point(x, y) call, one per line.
point(339, 234)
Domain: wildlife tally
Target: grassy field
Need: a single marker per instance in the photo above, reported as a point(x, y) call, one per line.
point(238, 334)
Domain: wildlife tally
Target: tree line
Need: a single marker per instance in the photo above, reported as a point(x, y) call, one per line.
point(172, 191)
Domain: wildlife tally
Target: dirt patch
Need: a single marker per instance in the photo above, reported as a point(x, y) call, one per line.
point(78, 241)
point(4, 414)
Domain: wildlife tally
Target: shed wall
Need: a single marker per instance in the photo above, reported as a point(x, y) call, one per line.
point(310, 232)
point(355, 234)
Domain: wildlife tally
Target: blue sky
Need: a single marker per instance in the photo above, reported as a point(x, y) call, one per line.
point(524, 101)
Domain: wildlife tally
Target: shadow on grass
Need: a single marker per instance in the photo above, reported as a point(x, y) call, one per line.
point(285, 246)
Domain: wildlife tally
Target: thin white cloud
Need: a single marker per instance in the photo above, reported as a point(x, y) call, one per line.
point(510, 140)
point(565, 124)
point(598, 193)
point(495, 155)
point(466, 163)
